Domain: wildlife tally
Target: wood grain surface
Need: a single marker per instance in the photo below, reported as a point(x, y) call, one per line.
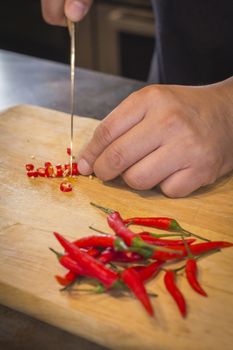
point(31, 209)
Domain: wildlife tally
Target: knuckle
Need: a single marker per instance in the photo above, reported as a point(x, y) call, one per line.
point(100, 173)
point(102, 134)
point(151, 89)
point(159, 93)
point(135, 181)
point(171, 191)
point(174, 120)
point(134, 94)
point(208, 164)
point(115, 158)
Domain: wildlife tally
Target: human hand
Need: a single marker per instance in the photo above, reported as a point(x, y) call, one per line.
point(177, 136)
point(56, 12)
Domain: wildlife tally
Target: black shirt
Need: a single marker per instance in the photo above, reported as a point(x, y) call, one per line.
point(194, 41)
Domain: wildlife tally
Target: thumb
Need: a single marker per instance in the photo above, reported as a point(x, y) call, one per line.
point(75, 10)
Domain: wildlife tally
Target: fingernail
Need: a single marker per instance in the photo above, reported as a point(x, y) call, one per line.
point(84, 168)
point(76, 10)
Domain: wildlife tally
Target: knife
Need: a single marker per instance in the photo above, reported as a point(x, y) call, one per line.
point(71, 28)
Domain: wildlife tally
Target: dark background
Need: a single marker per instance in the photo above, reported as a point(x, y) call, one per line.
point(23, 30)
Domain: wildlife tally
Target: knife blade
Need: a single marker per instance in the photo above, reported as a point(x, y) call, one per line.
point(71, 28)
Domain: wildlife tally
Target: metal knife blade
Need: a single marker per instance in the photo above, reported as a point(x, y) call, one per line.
point(71, 27)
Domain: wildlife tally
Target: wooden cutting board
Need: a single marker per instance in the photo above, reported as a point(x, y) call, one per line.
point(31, 209)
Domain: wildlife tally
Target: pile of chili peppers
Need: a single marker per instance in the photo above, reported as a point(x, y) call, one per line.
point(55, 171)
point(126, 261)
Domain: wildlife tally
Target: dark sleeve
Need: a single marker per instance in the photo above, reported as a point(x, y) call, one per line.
point(194, 41)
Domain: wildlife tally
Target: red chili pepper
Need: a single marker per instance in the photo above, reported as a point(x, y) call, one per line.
point(130, 238)
point(71, 276)
point(47, 164)
point(91, 266)
point(191, 274)
point(67, 279)
point(200, 248)
point(115, 221)
point(161, 223)
point(132, 279)
point(29, 167)
point(127, 257)
point(149, 271)
point(195, 249)
point(107, 255)
point(163, 242)
point(170, 283)
point(69, 263)
point(92, 252)
point(66, 186)
point(32, 173)
point(95, 241)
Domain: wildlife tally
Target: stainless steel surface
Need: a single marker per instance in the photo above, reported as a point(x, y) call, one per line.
point(29, 80)
point(72, 30)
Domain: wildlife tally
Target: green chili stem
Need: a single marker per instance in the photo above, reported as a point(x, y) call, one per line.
point(194, 235)
point(99, 231)
point(105, 210)
point(190, 255)
point(139, 243)
point(203, 255)
point(161, 235)
point(58, 255)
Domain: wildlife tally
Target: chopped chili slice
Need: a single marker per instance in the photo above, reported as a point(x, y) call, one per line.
point(66, 186)
point(59, 170)
point(75, 169)
point(29, 167)
point(49, 171)
point(32, 173)
point(41, 172)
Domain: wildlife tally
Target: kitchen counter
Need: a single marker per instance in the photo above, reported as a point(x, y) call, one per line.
point(27, 80)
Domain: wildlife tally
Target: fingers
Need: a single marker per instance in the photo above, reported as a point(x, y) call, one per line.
point(174, 178)
point(129, 113)
point(56, 12)
point(182, 183)
point(126, 150)
point(76, 10)
point(53, 12)
point(155, 167)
